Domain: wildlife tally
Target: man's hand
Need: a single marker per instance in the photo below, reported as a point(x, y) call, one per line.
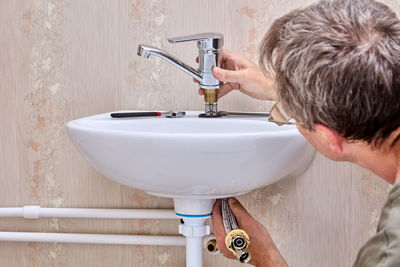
point(262, 249)
point(239, 73)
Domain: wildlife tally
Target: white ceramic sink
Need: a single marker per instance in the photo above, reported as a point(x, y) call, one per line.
point(191, 157)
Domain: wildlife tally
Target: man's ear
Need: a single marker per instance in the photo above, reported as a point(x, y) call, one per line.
point(333, 139)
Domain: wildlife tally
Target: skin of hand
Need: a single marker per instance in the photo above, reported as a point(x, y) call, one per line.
point(262, 249)
point(239, 73)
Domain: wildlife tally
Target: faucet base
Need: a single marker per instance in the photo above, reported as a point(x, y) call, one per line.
point(203, 115)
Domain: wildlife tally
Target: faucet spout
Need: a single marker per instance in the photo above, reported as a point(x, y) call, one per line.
point(146, 50)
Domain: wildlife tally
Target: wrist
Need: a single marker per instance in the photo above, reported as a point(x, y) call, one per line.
point(271, 93)
point(267, 256)
point(270, 262)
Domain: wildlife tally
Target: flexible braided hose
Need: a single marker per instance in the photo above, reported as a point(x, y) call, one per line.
point(228, 218)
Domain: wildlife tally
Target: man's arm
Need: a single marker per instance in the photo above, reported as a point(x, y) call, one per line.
point(262, 249)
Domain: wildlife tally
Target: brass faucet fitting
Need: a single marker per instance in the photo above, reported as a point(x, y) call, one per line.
point(211, 98)
point(210, 95)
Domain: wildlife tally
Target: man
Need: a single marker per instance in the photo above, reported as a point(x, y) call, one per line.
point(335, 68)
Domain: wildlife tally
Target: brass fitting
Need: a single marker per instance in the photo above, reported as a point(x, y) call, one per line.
point(232, 236)
point(210, 99)
point(210, 95)
point(210, 244)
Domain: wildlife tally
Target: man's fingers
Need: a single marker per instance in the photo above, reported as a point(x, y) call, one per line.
point(235, 57)
point(201, 91)
point(229, 54)
point(227, 75)
point(216, 217)
point(239, 211)
point(225, 89)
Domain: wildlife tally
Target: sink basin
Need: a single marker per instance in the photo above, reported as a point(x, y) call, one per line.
point(191, 157)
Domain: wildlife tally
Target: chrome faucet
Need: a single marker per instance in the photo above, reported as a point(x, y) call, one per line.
point(210, 52)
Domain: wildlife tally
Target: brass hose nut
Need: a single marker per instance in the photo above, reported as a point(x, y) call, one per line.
point(238, 237)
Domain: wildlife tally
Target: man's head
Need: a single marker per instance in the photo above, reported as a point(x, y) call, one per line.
point(337, 69)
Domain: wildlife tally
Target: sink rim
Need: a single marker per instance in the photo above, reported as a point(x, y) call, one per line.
point(78, 124)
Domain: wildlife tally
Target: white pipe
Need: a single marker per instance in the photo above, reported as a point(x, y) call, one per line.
point(10, 212)
point(194, 251)
point(35, 212)
point(194, 229)
point(93, 238)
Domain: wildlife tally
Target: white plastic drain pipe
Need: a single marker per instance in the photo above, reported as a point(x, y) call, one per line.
point(194, 229)
point(36, 212)
point(93, 238)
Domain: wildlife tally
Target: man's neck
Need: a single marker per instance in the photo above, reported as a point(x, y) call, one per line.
point(395, 147)
point(385, 161)
point(397, 153)
point(397, 177)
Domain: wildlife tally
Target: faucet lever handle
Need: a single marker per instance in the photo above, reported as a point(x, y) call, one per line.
point(216, 39)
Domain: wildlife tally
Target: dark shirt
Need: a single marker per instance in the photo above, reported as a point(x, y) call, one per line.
point(383, 249)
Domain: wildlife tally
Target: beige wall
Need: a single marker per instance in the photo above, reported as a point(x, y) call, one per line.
point(61, 60)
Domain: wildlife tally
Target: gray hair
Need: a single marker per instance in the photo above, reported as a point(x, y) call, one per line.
point(337, 63)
